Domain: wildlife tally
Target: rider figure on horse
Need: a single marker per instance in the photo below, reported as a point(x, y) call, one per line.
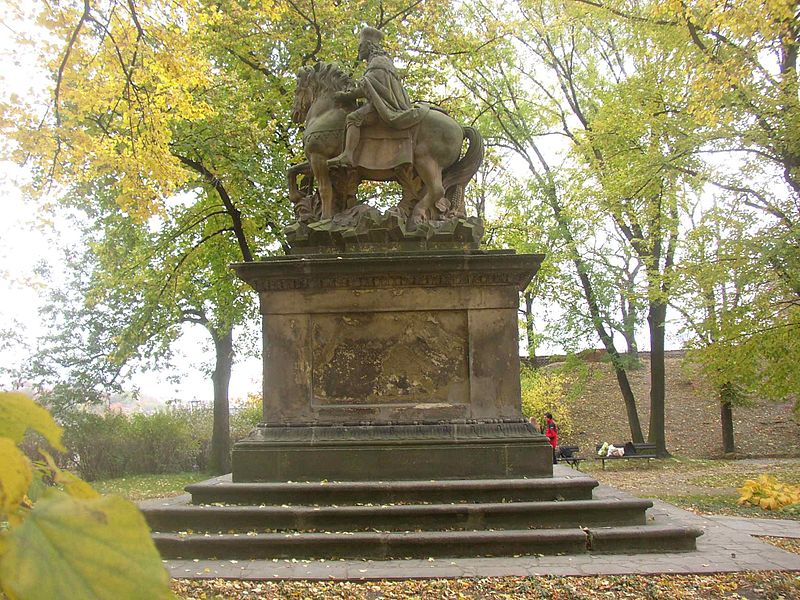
point(386, 98)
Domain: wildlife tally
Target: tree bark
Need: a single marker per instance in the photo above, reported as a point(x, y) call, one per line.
point(220, 461)
point(630, 403)
point(656, 319)
point(531, 334)
point(629, 329)
point(726, 397)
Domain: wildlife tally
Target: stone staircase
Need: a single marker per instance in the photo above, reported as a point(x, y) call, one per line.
point(406, 519)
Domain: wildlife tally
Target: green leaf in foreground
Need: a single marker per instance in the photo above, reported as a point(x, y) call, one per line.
point(18, 412)
point(15, 477)
point(73, 548)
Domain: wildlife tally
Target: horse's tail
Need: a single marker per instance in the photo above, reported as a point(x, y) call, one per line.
point(457, 175)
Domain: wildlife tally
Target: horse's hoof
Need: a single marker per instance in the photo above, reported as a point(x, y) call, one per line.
point(415, 220)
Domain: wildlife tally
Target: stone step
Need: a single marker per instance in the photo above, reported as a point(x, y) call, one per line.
point(643, 538)
point(371, 545)
point(438, 544)
point(430, 517)
point(221, 490)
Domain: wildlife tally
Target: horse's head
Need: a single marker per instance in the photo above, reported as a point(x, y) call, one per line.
point(323, 79)
point(303, 96)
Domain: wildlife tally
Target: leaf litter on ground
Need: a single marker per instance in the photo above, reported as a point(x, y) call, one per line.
point(773, 585)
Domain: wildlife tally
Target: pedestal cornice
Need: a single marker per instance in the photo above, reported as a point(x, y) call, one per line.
point(396, 270)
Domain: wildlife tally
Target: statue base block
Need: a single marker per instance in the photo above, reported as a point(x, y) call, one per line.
point(508, 450)
point(391, 366)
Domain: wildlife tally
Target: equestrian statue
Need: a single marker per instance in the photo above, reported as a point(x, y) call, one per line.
point(385, 138)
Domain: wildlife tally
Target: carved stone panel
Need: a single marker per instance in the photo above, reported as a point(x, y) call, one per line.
point(390, 358)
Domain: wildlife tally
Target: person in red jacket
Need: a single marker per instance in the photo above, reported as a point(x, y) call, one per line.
point(551, 431)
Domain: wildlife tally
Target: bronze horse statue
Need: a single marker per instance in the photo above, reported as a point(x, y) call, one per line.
point(430, 170)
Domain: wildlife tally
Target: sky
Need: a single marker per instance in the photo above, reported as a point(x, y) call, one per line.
point(25, 241)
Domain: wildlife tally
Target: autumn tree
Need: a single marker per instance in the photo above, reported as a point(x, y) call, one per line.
point(743, 321)
point(569, 74)
point(740, 62)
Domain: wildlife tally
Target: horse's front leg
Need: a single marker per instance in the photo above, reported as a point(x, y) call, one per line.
point(319, 166)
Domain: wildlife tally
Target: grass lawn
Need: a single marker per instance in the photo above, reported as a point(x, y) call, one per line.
point(705, 504)
point(142, 487)
point(702, 486)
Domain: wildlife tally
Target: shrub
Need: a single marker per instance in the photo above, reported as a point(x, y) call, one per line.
point(162, 442)
point(114, 444)
point(547, 391)
point(99, 444)
point(248, 414)
point(202, 424)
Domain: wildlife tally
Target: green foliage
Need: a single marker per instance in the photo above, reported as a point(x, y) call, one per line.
point(790, 511)
point(85, 547)
point(69, 542)
point(742, 316)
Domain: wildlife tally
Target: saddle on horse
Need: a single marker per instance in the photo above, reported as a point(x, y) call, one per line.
point(383, 148)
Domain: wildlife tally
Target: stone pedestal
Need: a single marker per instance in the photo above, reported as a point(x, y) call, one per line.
point(390, 367)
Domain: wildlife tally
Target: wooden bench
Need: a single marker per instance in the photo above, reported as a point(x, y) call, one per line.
point(573, 460)
point(644, 450)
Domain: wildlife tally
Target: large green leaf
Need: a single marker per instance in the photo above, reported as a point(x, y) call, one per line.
point(18, 412)
point(15, 477)
point(74, 548)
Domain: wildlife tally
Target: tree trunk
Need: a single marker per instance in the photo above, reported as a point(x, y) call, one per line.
point(597, 321)
point(531, 334)
point(221, 435)
point(630, 404)
point(629, 330)
point(656, 320)
point(726, 396)
point(630, 342)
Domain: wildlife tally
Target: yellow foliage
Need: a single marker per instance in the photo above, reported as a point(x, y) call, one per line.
point(73, 548)
point(768, 493)
point(546, 391)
